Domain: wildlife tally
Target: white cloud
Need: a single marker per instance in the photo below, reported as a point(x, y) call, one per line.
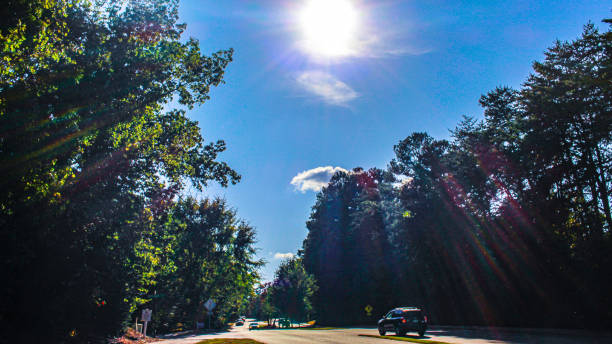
point(381, 47)
point(373, 48)
point(287, 255)
point(326, 86)
point(314, 179)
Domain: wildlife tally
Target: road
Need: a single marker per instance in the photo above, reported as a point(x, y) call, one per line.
point(443, 334)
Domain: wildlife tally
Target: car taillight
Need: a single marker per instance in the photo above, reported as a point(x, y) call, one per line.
point(426, 318)
point(404, 320)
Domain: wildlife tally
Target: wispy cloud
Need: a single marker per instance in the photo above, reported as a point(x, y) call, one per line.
point(376, 50)
point(374, 47)
point(287, 255)
point(386, 45)
point(314, 179)
point(326, 86)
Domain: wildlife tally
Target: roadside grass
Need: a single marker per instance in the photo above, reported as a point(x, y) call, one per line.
point(229, 341)
point(405, 339)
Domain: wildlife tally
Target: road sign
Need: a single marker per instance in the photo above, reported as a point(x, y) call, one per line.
point(210, 305)
point(146, 314)
point(146, 317)
point(368, 310)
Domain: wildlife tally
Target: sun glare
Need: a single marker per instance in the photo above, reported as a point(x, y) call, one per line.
point(329, 27)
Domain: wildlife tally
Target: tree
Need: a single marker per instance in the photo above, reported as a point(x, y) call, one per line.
point(348, 248)
point(260, 305)
point(211, 255)
point(526, 192)
point(511, 213)
point(90, 159)
point(292, 290)
point(32, 37)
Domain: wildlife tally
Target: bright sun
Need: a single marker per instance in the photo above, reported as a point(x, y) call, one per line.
point(329, 27)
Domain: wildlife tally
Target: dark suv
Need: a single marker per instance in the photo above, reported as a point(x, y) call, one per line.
point(403, 319)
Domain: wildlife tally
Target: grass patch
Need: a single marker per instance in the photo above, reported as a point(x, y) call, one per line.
point(405, 339)
point(229, 341)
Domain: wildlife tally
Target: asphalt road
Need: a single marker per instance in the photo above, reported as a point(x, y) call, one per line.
point(443, 334)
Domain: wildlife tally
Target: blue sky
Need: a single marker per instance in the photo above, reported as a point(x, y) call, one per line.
point(288, 112)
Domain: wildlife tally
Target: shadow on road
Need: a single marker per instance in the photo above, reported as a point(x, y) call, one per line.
point(520, 336)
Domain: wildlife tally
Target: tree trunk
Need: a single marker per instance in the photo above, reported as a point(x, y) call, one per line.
point(603, 188)
point(593, 183)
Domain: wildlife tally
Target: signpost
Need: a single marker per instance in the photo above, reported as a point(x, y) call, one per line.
point(146, 317)
point(368, 310)
point(209, 305)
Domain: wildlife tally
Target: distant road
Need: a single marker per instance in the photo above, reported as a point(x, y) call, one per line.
point(443, 334)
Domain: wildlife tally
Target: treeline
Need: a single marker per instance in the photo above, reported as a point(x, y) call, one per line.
point(93, 159)
point(288, 296)
point(198, 250)
point(507, 223)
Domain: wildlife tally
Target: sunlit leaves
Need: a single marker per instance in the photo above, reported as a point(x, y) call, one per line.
point(92, 158)
point(211, 255)
point(32, 37)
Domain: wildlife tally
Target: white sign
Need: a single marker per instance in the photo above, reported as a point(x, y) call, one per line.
point(146, 315)
point(210, 305)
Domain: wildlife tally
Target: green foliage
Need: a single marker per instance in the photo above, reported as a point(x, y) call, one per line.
point(508, 223)
point(351, 243)
point(260, 304)
point(32, 37)
point(292, 290)
point(210, 253)
point(92, 160)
